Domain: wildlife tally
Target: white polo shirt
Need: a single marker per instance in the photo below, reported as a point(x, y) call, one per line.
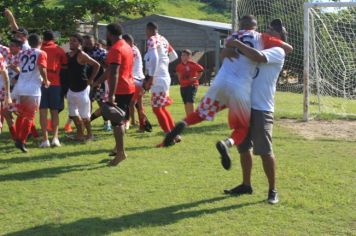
point(264, 85)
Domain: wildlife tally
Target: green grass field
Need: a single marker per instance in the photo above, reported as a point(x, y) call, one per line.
point(178, 190)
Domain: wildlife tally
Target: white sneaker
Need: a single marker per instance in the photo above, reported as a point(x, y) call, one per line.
point(56, 143)
point(45, 144)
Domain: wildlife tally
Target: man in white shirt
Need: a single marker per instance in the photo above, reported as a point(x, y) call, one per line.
point(262, 103)
point(159, 54)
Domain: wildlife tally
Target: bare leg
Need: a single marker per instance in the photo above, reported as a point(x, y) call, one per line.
point(119, 132)
point(269, 166)
point(189, 108)
point(246, 165)
point(43, 123)
point(87, 125)
point(132, 112)
point(79, 125)
point(55, 123)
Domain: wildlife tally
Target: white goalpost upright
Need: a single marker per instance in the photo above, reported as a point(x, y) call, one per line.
point(329, 56)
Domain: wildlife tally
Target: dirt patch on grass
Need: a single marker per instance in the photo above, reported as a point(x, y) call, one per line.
point(316, 129)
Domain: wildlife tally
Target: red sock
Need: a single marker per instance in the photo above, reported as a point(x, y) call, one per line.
point(33, 131)
point(18, 126)
point(169, 118)
point(239, 134)
point(162, 120)
point(26, 129)
point(193, 118)
point(12, 130)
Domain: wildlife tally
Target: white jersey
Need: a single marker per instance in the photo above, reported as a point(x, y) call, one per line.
point(137, 67)
point(243, 68)
point(26, 46)
point(264, 85)
point(157, 61)
point(30, 80)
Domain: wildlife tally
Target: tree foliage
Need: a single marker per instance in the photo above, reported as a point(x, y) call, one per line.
point(35, 15)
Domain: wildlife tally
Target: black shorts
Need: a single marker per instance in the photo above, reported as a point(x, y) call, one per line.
point(123, 101)
point(260, 134)
point(188, 93)
point(51, 98)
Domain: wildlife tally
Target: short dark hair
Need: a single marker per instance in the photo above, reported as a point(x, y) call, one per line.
point(34, 40)
point(114, 29)
point(88, 37)
point(48, 35)
point(16, 41)
point(152, 26)
point(248, 22)
point(128, 38)
point(78, 37)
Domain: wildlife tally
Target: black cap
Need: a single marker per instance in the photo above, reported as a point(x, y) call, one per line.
point(277, 25)
point(21, 31)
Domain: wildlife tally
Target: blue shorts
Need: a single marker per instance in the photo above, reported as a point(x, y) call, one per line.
point(51, 98)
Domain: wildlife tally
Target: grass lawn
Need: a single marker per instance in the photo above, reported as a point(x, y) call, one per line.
point(178, 190)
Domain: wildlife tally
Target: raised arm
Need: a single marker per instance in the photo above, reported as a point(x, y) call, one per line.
point(12, 21)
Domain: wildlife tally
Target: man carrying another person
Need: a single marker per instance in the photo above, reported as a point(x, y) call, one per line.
point(262, 103)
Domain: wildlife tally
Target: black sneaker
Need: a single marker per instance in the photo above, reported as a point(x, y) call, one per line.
point(177, 130)
point(21, 146)
point(273, 196)
point(239, 190)
point(223, 149)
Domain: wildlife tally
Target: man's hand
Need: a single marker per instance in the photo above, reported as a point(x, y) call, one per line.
point(228, 53)
point(7, 12)
point(7, 100)
point(111, 100)
point(91, 82)
point(46, 83)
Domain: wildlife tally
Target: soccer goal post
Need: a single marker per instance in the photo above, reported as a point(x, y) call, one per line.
point(329, 72)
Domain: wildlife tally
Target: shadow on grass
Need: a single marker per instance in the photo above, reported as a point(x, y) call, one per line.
point(47, 172)
point(53, 155)
point(151, 218)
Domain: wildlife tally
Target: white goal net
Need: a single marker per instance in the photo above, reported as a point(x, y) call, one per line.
point(331, 56)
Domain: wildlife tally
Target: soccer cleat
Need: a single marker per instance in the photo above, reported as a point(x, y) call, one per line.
point(239, 190)
point(272, 196)
point(21, 146)
point(223, 149)
point(169, 140)
point(178, 139)
point(55, 142)
point(45, 144)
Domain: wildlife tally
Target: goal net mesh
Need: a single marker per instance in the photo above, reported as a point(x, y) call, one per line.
point(332, 54)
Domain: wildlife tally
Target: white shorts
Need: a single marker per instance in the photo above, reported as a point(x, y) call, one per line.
point(79, 103)
point(225, 94)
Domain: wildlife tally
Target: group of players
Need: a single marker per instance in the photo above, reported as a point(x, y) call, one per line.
point(245, 85)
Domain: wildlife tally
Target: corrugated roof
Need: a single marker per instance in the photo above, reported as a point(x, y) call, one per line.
point(211, 24)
